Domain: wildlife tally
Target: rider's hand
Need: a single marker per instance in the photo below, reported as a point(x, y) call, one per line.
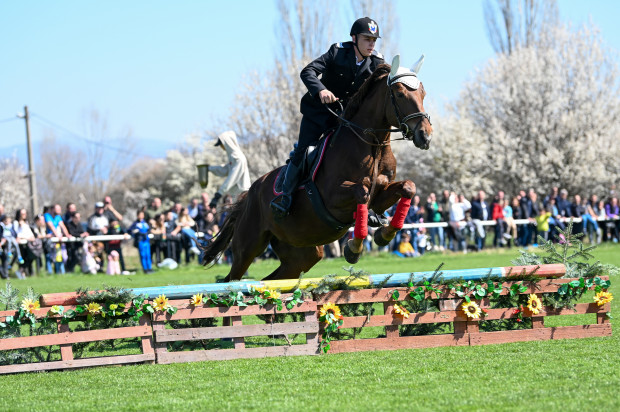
point(327, 97)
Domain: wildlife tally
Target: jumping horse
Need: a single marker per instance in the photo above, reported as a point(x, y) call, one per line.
point(357, 173)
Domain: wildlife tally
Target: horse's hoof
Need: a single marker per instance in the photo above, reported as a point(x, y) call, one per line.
point(350, 256)
point(380, 240)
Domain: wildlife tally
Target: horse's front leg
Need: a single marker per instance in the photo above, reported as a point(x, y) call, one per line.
point(394, 191)
point(355, 245)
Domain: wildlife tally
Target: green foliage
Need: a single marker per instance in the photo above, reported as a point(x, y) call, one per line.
point(9, 297)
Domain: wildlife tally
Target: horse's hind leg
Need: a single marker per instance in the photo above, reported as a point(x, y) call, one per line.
point(246, 245)
point(294, 260)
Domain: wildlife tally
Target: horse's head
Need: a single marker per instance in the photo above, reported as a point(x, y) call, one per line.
point(407, 111)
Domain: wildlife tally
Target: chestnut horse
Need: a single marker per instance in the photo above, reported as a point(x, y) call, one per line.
point(357, 173)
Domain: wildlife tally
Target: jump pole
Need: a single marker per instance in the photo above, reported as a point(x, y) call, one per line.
point(288, 285)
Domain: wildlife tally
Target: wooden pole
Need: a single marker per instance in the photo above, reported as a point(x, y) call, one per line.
point(34, 202)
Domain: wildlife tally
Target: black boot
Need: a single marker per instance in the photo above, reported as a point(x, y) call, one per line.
point(280, 206)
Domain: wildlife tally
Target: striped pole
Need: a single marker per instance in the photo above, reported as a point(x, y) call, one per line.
point(288, 285)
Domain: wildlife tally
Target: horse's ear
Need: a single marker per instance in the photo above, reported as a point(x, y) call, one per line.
point(417, 65)
point(395, 65)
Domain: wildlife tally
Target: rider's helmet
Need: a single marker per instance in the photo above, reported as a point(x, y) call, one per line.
point(365, 26)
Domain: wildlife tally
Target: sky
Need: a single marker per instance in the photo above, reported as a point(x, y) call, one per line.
point(164, 69)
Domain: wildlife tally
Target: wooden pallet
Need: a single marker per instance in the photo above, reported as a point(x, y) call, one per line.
point(65, 338)
point(237, 332)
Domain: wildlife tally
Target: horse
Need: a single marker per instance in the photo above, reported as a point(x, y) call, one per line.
point(357, 173)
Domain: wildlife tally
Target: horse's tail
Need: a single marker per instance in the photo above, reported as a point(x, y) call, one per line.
point(216, 246)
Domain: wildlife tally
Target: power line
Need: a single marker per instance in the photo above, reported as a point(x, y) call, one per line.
point(8, 119)
point(78, 137)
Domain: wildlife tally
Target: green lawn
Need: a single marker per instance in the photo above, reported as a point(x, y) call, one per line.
point(580, 374)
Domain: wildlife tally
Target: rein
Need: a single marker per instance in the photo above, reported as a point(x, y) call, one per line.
point(402, 121)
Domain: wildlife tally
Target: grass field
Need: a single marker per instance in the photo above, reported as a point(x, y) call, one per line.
point(582, 374)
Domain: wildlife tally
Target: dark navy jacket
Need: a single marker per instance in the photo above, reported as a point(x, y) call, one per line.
point(339, 74)
point(477, 210)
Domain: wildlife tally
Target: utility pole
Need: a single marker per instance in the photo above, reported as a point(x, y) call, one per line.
point(34, 203)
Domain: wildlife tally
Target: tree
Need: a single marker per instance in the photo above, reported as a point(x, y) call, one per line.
point(549, 114)
point(512, 24)
point(14, 193)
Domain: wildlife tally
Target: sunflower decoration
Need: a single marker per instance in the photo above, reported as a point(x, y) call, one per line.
point(30, 305)
point(330, 313)
point(93, 308)
point(271, 294)
point(471, 309)
point(161, 303)
point(603, 297)
point(534, 304)
point(197, 299)
point(401, 310)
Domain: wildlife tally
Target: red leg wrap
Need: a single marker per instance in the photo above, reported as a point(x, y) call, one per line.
point(361, 222)
point(401, 213)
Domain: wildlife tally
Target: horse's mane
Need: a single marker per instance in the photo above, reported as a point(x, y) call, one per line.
point(354, 104)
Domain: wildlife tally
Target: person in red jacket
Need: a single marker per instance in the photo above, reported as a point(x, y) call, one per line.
point(497, 214)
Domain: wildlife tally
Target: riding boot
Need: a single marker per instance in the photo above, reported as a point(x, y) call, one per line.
point(280, 206)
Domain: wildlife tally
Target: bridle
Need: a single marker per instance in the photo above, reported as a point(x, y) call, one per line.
point(403, 127)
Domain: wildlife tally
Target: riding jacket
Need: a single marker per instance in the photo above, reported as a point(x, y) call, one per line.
point(339, 74)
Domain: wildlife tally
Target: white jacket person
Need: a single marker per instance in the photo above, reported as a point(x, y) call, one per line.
point(236, 170)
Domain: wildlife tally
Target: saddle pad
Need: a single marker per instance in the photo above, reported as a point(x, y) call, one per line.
point(311, 163)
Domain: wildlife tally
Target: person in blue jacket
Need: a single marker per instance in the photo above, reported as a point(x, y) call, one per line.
point(140, 230)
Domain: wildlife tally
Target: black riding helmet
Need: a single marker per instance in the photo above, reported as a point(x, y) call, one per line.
point(365, 26)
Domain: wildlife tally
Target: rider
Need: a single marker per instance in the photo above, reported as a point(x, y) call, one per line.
point(344, 68)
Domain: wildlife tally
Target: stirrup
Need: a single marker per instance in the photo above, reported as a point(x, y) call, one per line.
point(280, 206)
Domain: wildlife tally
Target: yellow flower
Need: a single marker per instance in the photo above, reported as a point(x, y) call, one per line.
point(534, 304)
point(472, 310)
point(113, 306)
point(94, 308)
point(401, 310)
point(331, 312)
point(603, 297)
point(273, 294)
point(259, 289)
point(161, 303)
point(197, 299)
point(30, 305)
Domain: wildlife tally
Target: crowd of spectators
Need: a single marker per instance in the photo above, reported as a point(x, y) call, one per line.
point(163, 234)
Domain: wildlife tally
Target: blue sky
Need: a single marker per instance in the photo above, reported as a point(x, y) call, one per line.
point(168, 68)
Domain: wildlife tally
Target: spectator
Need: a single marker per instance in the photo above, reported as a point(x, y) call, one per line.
point(612, 210)
point(564, 206)
point(53, 220)
point(192, 209)
point(159, 238)
point(497, 214)
point(173, 238)
point(577, 211)
point(140, 230)
point(69, 211)
point(236, 169)
point(89, 263)
point(509, 219)
point(405, 248)
point(75, 249)
point(9, 248)
point(458, 206)
point(479, 213)
point(525, 211)
point(186, 225)
point(154, 209)
point(40, 231)
point(115, 245)
point(110, 211)
point(590, 224)
point(555, 221)
point(553, 195)
point(542, 223)
point(433, 215)
point(98, 222)
point(29, 245)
